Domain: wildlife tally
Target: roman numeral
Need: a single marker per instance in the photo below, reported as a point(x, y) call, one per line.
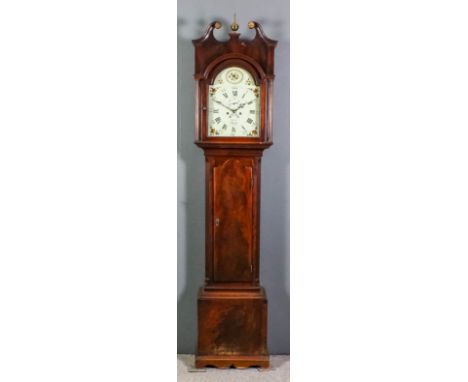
point(249, 120)
point(215, 110)
point(218, 120)
point(252, 111)
point(224, 127)
point(234, 93)
point(225, 95)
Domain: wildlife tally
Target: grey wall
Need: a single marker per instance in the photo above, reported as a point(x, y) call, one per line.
point(193, 18)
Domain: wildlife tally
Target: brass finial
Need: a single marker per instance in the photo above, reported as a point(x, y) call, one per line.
point(217, 25)
point(234, 25)
point(251, 24)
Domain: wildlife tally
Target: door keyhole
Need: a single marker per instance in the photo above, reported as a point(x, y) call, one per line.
point(217, 222)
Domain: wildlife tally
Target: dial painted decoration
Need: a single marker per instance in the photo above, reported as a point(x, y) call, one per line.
point(234, 104)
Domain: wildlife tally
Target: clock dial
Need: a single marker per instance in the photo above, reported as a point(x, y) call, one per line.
point(234, 104)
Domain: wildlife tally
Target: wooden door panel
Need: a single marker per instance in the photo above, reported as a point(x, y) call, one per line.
point(233, 225)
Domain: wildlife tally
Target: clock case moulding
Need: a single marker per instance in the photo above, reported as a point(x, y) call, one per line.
point(232, 306)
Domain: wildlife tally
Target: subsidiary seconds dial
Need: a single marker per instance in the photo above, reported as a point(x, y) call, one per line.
point(234, 104)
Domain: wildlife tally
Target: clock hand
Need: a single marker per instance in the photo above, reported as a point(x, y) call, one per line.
point(247, 102)
point(222, 104)
point(233, 111)
point(243, 104)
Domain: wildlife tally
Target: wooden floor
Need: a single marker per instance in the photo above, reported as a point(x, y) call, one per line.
point(278, 372)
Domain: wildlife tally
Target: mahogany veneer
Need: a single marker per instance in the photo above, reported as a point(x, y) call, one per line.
point(232, 306)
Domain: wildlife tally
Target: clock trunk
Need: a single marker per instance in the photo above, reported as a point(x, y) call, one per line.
point(234, 197)
point(232, 307)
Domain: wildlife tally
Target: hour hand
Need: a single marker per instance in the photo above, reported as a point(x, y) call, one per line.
point(241, 105)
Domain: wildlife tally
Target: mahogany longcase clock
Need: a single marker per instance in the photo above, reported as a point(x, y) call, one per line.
point(233, 127)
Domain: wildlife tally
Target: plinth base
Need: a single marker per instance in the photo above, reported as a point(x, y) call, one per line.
point(232, 328)
point(227, 361)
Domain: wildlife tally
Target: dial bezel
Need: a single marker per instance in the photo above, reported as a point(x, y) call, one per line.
point(210, 75)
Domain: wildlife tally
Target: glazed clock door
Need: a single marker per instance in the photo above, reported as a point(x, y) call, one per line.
point(233, 243)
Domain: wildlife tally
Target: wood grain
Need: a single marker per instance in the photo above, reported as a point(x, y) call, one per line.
point(233, 220)
point(232, 306)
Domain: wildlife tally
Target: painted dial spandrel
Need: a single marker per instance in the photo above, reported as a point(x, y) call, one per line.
point(234, 104)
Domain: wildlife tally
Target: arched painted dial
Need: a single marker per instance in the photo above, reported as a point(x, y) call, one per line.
point(234, 104)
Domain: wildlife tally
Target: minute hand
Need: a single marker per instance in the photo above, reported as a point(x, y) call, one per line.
point(222, 104)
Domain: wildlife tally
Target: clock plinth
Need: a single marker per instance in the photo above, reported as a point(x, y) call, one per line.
point(232, 328)
point(233, 127)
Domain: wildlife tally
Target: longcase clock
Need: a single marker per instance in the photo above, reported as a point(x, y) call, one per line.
point(233, 127)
